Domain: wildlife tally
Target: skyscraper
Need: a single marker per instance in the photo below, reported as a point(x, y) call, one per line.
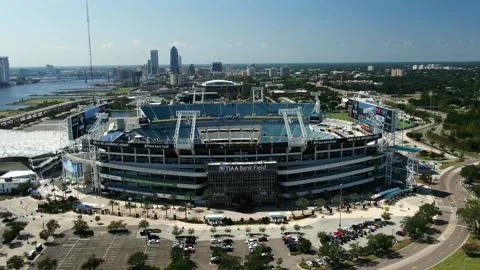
point(251, 70)
point(217, 67)
point(285, 71)
point(180, 62)
point(191, 69)
point(154, 61)
point(149, 67)
point(4, 70)
point(174, 67)
point(50, 69)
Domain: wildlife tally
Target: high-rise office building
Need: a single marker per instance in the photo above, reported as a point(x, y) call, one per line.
point(149, 67)
point(50, 69)
point(272, 72)
point(251, 70)
point(191, 69)
point(4, 70)
point(177, 79)
point(179, 63)
point(285, 71)
point(154, 61)
point(371, 68)
point(217, 67)
point(174, 67)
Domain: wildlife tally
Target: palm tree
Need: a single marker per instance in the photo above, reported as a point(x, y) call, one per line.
point(146, 205)
point(190, 196)
point(143, 224)
point(166, 206)
point(112, 203)
point(173, 198)
point(354, 198)
point(207, 195)
point(129, 206)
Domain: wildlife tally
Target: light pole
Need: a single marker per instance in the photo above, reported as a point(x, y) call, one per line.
point(340, 207)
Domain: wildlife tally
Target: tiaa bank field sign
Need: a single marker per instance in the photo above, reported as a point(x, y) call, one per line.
point(249, 167)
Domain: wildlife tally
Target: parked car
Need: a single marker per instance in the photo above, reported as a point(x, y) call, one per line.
point(262, 239)
point(227, 241)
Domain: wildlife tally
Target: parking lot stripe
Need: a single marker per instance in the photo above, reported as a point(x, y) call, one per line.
point(68, 253)
point(106, 252)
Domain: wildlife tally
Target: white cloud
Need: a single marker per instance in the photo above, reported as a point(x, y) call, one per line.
point(407, 44)
point(265, 46)
point(106, 45)
point(235, 44)
point(136, 43)
point(177, 43)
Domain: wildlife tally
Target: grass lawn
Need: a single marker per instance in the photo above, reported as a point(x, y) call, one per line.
point(7, 113)
point(451, 163)
point(36, 101)
point(340, 116)
point(123, 90)
point(459, 260)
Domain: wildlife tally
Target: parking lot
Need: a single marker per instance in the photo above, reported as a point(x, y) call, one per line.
point(72, 251)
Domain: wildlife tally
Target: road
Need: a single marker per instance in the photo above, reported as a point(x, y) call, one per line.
point(445, 236)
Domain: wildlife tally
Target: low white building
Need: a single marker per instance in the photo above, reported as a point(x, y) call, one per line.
point(11, 180)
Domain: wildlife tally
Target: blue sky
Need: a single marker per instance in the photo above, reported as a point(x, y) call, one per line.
point(35, 33)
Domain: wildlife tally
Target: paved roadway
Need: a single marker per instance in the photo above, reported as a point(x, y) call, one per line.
point(446, 235)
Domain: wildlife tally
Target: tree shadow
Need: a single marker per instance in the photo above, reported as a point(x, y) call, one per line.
point(394, 255)
point(428, 240)
point(15, 245)
point(365, 262)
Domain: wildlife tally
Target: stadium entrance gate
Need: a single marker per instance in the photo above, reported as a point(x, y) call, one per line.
point(239, 182)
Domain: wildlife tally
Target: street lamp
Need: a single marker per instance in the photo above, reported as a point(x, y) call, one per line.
point(340, 207)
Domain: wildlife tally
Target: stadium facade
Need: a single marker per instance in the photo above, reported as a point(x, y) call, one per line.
point(259, 151)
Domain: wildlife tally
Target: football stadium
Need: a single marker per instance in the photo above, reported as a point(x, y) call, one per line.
point(256, 152)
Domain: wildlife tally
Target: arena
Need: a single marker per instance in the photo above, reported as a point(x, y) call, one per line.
point(238, 152)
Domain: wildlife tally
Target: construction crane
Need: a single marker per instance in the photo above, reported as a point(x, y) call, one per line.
point(89, 42)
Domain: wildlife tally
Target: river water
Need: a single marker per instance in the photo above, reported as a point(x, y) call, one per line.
point(16, 93)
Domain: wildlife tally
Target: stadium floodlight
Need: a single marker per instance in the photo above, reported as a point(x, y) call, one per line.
point(185, 143)
point(294, 141)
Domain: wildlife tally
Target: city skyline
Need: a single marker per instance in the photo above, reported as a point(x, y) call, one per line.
point(380, 32)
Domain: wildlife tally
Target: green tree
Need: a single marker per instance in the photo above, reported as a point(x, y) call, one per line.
point(137, 260)
point(302, 203)
point(354, 198)
point(181, 264)
point(320, 203)
point(191, 231)
point(471, 172)
point(47, 264)
point(336, 200)
point(15, 262)
point(428, 211)
point(471, 248)
point(17, 226)
point(207, 195)
point(356, 250)
point(283, 229)
point(147, 205)
point(93, 263)
point(213, 230)
point(279, 262)
point(80, 227)
point(386, 216)
point(380, 243)
point(470, 215)
point(178, 253)
point(112, 203)
point(190, 196)
point(415, 226)
point(173, 198)
point(52, 225)
point(262, 229)
point(322, 237)
point(143, 225)
point(44, 235)
point(130, 206)
point(116, 225)
point(297, 227)
point(228, 262)
point(228, 230)
point(305, 246)
point(8, 236)
point(334, 252)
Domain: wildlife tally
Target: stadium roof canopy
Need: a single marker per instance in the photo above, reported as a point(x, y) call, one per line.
point(30, 144)
point(218, 83)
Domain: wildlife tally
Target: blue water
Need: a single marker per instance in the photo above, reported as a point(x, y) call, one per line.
point(16, 93)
